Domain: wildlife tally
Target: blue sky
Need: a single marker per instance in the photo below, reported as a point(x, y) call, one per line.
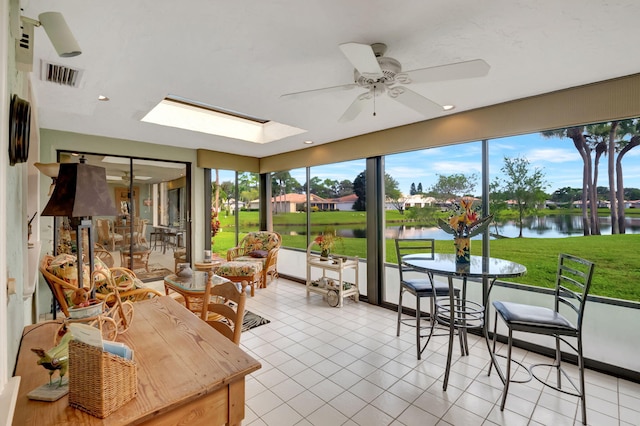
point(557, 158)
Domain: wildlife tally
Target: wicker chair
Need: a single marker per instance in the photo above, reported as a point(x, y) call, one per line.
point(59, 287)
point(106, 235)
point(105, 255)
point(261, 246)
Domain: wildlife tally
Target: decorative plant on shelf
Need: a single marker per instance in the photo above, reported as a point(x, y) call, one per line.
point(464, 223)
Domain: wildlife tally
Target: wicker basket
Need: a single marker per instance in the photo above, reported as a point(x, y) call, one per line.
point(99, 382)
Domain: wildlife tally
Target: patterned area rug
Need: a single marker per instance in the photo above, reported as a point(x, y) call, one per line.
point(156, 272)
point(252, 320)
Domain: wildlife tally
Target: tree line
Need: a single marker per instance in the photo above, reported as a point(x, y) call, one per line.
point(522, 187)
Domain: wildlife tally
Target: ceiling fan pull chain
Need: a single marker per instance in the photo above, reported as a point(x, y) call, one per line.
point(374, 100)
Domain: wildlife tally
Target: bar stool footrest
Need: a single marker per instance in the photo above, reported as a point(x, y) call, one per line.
point(549, 385)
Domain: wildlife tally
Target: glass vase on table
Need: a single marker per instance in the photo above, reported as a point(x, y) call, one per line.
point(324, 254)
point(463, 250)
point(464, 223)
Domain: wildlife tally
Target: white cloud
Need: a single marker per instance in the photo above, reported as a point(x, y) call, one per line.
point(453, 167)
point(552, 155)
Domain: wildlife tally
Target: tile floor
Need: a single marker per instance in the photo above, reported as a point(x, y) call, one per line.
point(345, 366)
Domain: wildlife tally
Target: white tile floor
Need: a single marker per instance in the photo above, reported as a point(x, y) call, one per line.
point(345, 366)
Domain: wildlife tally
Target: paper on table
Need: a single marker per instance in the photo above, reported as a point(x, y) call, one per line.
point(86, 334)
point(119, 349)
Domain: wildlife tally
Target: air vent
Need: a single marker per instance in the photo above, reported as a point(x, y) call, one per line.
point(61, 74)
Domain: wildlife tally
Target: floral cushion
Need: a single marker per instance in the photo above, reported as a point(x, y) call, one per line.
point(261, 240)
point(261, 260)
point(239, 269)
point(64, 266)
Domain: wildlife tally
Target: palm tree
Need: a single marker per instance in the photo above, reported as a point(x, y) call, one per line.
point(635, 141)
point(603, 138)
point(613, 200)
point(576, 134)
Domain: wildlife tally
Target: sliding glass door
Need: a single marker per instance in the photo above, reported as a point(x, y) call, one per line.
point(152, 227)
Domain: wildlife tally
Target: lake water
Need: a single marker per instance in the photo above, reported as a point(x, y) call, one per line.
point(558, 226)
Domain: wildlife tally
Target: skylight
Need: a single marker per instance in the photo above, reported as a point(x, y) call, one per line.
point(182, 113)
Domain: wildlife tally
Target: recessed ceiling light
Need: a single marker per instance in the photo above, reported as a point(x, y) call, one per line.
point(103, 98)
point(174, 111)
point(448, 107)
point(308, 142)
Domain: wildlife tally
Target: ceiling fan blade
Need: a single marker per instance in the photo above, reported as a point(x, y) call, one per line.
point(416, 102)
point(456, 71)
point(312, 92)
point(355, 108)
point(363, 59)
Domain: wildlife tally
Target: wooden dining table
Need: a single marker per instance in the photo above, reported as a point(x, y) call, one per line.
point(188, 373)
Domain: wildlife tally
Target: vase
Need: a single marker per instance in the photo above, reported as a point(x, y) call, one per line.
point(463, 250)
point(324, 254)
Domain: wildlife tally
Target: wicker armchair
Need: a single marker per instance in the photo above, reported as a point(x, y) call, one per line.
point(260, 246)
point(59, 287)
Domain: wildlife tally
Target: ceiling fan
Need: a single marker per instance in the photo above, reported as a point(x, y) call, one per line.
point(380, 74)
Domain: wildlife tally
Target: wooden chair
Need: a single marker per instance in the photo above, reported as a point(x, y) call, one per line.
point(220, 314)
point(260, 246)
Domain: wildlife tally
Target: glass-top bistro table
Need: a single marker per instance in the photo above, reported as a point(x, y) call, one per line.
point(463, 314)
point(193, 289)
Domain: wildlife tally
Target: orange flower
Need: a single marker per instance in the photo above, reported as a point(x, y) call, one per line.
point(464, 222)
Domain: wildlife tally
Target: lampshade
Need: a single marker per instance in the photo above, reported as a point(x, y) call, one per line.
point(59, 33)
point(81, 191)
point(51, 170)
point(48, 169)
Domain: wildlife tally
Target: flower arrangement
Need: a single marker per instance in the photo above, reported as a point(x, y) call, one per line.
point(464, 221)
point(326, 241)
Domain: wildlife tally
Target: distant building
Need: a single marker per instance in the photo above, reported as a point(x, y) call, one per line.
point(345, 203)
point(419, 201)
point(291, 203)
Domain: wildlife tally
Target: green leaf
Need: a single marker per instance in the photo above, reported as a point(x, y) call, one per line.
point(480, 225)
point(446, 227)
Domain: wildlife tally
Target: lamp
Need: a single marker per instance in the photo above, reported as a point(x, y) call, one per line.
point(51, 170)
point(58, 32)
point(81, 191)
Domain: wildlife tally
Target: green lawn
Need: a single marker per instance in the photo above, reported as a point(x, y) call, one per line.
point(617, 272)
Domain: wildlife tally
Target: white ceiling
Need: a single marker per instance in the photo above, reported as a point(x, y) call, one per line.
point(243, 55)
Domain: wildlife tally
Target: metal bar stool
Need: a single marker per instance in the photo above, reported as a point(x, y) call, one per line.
point(421, 288)
point(573, 281)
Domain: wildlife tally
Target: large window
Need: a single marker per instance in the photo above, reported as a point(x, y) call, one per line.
point(420, 185)
point(338, 206)
point(234, 208)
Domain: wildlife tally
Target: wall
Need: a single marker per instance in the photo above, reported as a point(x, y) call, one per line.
point(53, 140)
point(13, 227)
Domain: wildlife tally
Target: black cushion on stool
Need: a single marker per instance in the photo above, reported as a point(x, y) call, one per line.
point(518, 314)
point(423, 287)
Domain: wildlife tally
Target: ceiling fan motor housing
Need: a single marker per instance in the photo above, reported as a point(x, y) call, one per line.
point(390, 68)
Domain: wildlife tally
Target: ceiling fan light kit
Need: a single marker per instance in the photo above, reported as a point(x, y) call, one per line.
point(380, 74)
